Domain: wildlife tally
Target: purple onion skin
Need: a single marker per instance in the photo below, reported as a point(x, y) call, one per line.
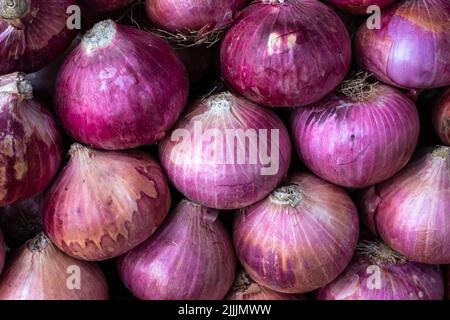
point(106, 5)
point(411, 50)
point(354, 143)
point(271, 53)
point(193, 15)
point(300, 244)
point(30, 40)
point(214, 183)
point(359, 7)
point(30, 143)
point(411, 210)
point(191, 257)
point(126, 93)
point(441, 117)
point(2, 251)
point(403, 281)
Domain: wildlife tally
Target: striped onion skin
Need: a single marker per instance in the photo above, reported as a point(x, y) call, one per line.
point(191, 257)
point(32, 33)
point(411, 211)
point(105, 203)
point(2, 251)
point(106, 5)
point(39, 271)
point(207, 177)
point(357, 142)
point(379, 273)
point(30, 142)
point(299, 238)
point(359, 7)
point(441, 117)
point(286, 53)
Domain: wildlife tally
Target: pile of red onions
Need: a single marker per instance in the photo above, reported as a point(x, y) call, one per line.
point(359, 138)
point(2, 251)
point(286, 53)
point(39, 271)
point(379, 273)
point(299, 238)
point(360, 6)
point(106, 5)
point(32, 33)
point(441, 117)
point(120, 88)
point(30, 142)
point(226, 152)
point(190, 257)
point(411, 48)
point(105, 203)
point(411, 211)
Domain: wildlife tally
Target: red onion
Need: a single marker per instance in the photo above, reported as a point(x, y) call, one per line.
point(286, 53)
point(441, 117)
point(39, 271)
point(30, 142)
point(299, 238)
point(105, 203)
point(2, 251)
point(360, 6)
point(190, 257)
point(106, 5)
point(120, 88)
point(359, 138)
point(226, 153)
point(411, 48)
point(379, 273)
point(32, 33)
point(411, 211)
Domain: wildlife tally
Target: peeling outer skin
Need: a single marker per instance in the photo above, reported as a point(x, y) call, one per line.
point(2, 251)
point(105, 203)
point(441, 117)
point(37, 37)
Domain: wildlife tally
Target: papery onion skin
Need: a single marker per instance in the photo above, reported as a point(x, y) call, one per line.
point(32, 33)
point(391, 278)
point(357, 143)
point(105, 203)
point(120, 88)
point(39, 271)
point(441, 117)
point(193, 15)
point(207, 177)
point(299, 238)
point(360, 6)
point(271, 53)
point(191, 257)
point(2, 251)
point(30, 142)
point(411, 210)
point(411, 49)
point(106, 5)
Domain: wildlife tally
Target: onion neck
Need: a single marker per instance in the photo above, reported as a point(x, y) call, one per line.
point(100, 36)
point(16, 83)
point(441, 152)
point(288, 195)
point(13, 9)
point(358, 87)
point(78, 150)
point(221, 102)
point(380, 253)
point(38, 243)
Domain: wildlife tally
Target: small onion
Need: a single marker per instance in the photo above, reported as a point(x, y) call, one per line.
point(286, 53)
point(441, 118)
point(2, 251)
point(360, 6)
point(411, 211)
point(106, 5)
point(191, 257)
point(39, 271)
point(105, 203)
point(120, 88)
point(379, 273)
point(299, 238)
point(30, 142)
point(411, 48)
point(226, 153)
point(32, 33)
point(359, 138)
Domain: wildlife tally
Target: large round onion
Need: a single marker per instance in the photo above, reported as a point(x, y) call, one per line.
point(360, 6)
point(299, 238)
point(441, 117)
point(379, 273)
point(106, 5)
point(226, 153)
point(411, 211)
point(357, 140)
point(190, 257)
point(30, 142)
point(286, 53)
point(105, 203)
point(120, 88)
point(32, 33)
point(411, 49)
point(39, 271)
point(2, 251)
